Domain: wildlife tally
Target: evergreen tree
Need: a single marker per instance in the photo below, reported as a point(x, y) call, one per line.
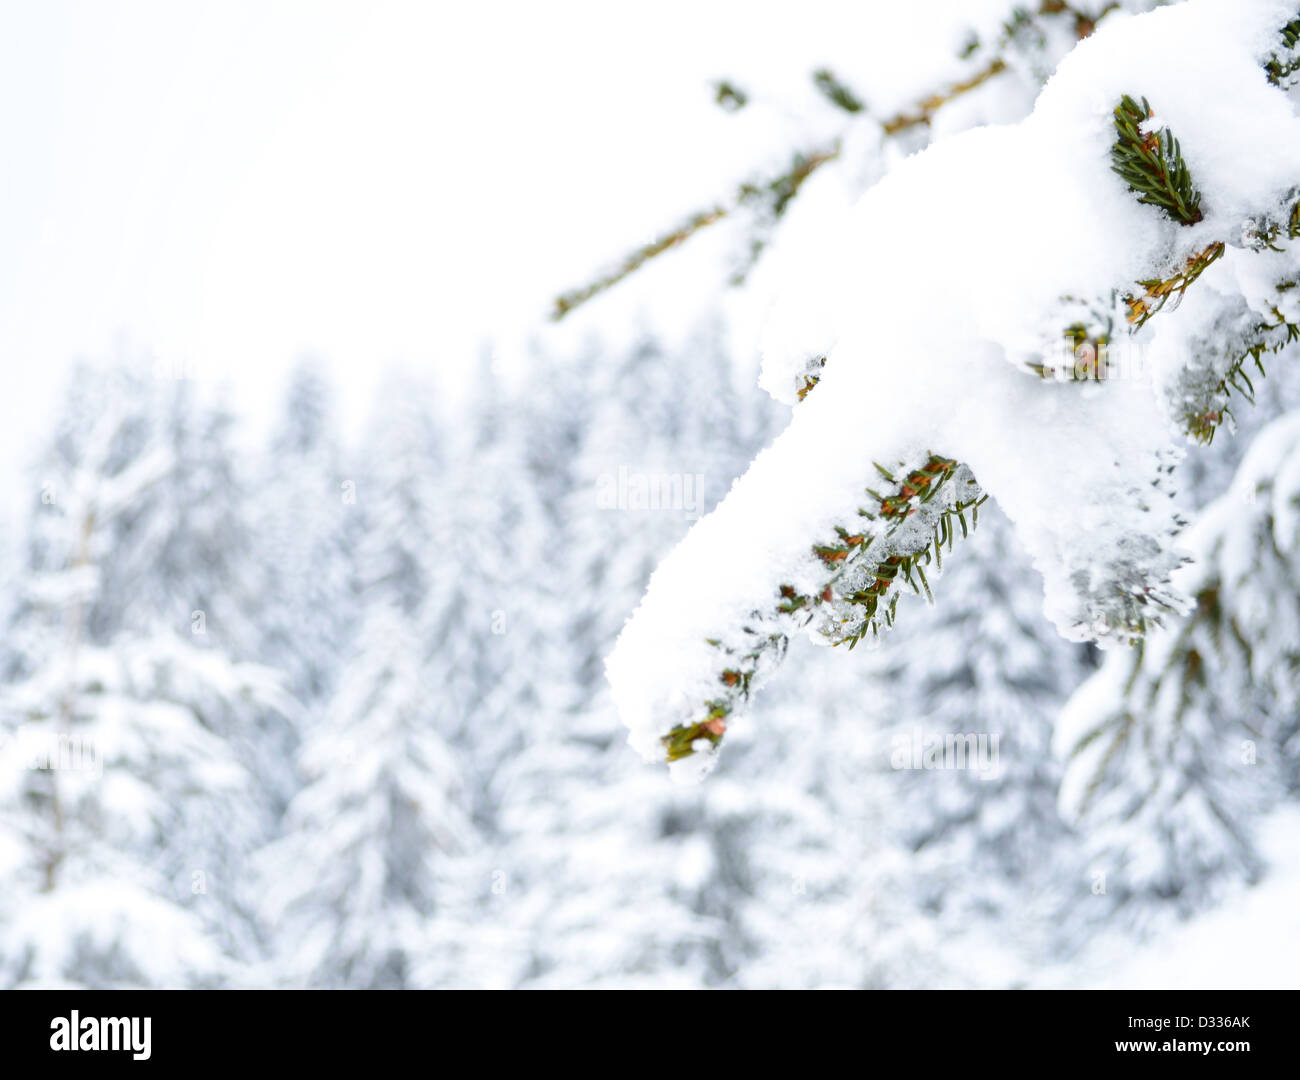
point(481, 615)
point(125, 811)
point(305, 610)
point(357, 887)
point(359, 882)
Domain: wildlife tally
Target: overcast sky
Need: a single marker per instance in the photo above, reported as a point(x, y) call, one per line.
point(232, 184)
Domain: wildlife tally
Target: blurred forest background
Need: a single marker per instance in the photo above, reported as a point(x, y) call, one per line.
point(352, 726)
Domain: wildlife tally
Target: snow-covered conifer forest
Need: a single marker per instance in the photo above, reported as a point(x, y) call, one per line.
point(872, 559)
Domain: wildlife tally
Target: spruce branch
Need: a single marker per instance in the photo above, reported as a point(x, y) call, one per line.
point(1161, 716)
point(1206, 399)
point(1157, 291)
point(776, 193)
point(1142, 687)
point(729, 96)
point(1227, 670)
point(1085, 22)
point(1281, 65)
point(1152, 163)
point(850, 591)
point(1154, 167)
point(903, 528)
point(566, 302)
point(925, 109)
point(810, 377)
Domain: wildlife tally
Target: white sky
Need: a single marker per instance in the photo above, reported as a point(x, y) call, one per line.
point(232, 184)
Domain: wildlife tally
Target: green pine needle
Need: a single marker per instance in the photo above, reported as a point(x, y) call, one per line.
point(1152, 164)
point(1281, 68)
point(836, 92)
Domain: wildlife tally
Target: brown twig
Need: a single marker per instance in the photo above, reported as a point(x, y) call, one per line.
point(782, 187)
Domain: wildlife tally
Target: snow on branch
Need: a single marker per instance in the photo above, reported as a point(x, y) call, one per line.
point(864, 570)
point(916, 323)
point(771, 196)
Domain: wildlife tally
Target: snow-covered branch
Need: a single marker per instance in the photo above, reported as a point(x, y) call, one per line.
point(952, 278)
